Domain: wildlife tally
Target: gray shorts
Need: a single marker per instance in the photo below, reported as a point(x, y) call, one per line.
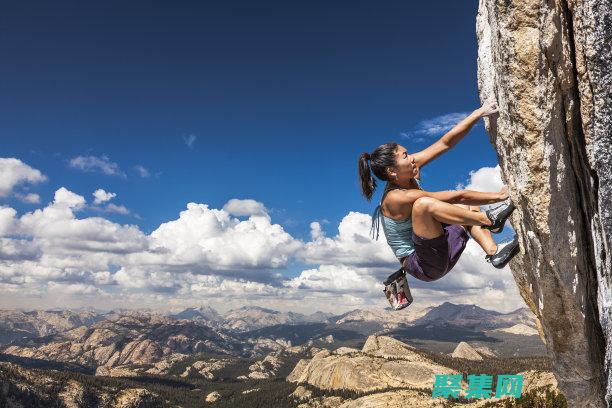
point(433, 258)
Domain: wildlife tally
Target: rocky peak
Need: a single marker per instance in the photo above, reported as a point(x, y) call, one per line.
point(464, 350)
point(199, 313)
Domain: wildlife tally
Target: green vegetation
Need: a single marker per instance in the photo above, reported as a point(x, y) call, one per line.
point(534, 399)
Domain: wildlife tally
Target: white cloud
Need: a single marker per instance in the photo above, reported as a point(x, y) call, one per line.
point(142, 171)
point(29, 198)
point(351, 246)
point(316, 233)
point(19, 249)
point(65, 197)
point(241, 208)
point(209, 254)
point(213, 238)
point(335, 278)
point(14, 172)
point(484, 179)
point(7, 221)
point(101, 196)
point(436, 126)
point(117, 209)
point(97, 164)
point(58, 227)
point(72, 289)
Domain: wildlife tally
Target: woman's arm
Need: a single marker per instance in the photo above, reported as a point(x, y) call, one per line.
point(453, 136)
point(469, 197)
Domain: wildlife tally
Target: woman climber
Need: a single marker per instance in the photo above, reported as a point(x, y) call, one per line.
point(427, 231)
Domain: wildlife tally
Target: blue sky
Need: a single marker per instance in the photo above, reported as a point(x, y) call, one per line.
point(270, 101)
point(281, 97)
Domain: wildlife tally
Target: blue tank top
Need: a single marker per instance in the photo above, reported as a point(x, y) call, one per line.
point(397, 232)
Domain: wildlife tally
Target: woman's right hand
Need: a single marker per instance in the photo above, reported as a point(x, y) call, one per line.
point(503, 194)
point(489, 107)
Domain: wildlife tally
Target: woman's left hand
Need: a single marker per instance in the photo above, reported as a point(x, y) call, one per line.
point(488, 108)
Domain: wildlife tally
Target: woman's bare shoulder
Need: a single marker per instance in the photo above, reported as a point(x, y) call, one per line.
point(404, 196)
point(398, 203)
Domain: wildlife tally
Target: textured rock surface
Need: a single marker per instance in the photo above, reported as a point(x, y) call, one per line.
point(520, 328)
point(549, 65)
point(464, 350)
point(383, 362)
point(213, 396)
point(532, 380)
point(23, 388)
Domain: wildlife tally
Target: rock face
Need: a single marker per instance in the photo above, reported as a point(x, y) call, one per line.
point(464, 350)
point(22, 388)
point(383, 362)
point(549, 65)
point(520, 329)
point(129, 340)
point(213, 396)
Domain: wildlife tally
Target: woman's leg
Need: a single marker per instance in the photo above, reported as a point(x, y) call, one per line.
point(428, 214)
point(482, 236)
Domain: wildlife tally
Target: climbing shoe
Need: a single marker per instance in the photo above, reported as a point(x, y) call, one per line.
point(498, 215)
point(505, 252)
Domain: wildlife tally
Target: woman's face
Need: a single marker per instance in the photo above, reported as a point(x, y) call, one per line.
point(406, 167)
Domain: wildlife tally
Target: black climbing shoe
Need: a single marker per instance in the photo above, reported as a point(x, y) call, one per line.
point(505, 252)
point(498, 215)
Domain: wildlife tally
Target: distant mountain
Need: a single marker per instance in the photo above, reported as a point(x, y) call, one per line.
point(522, 315)
point(129, 339)
point(17, 324)
point(249, 318)
point(319, 317)
point(299, 334)
point(206, 313)
point(521, 329)
point(386, 318)
point(473, 317)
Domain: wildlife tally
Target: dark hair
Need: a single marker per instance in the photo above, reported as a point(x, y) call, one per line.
point(381, 158)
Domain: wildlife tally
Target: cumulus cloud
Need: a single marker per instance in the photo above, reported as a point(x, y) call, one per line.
point(19, 249)
point(351, 246)
point(14, 172)
point(97, 164)
point(29, 198)
point(73, 289)
point(433, 127)
point(7, 221)
point(484, 179)
point(58, 226)
point(101, 196)
point(117, 209)
point(335, 278)
point(241, 208)
point(65, 197)
point(220, 254)
point(316, 233)
point(213, 238)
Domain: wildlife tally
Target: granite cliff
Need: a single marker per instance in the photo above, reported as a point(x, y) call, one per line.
point(549, 66)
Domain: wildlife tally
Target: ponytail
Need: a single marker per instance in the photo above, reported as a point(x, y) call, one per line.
point(368, 183)
point(375, 164)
